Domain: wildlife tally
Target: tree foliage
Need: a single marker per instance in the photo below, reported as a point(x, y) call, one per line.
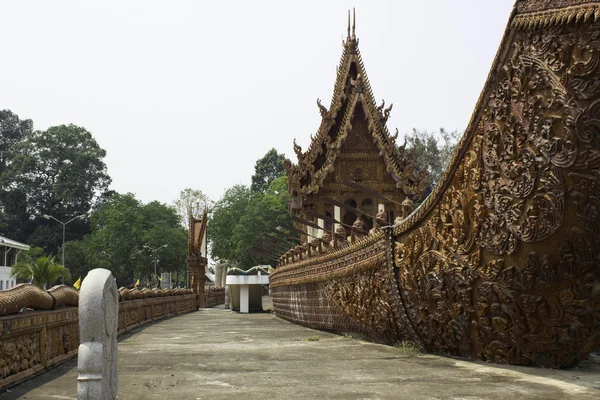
point(121, 228)
point(265, 212)
point(245, 214)
point(38, 268)
point(266, 170)
point(65, 166)
point(432, 152)
point(59, 171)
point(226, 214)
point(14, 218)
point(190, 201)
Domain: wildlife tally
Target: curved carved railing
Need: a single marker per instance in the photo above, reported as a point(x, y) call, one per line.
point(350, 289)
point(30, 296)
point(502, 261)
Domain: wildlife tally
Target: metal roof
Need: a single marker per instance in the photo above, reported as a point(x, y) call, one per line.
point(4, 241)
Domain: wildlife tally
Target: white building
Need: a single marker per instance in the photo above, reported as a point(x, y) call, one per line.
point(9, 254)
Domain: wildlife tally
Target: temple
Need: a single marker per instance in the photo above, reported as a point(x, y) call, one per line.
point(501, 261)
point(197, 256)
point(353, 144)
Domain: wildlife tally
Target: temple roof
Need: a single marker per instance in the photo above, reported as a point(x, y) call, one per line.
point(196, 233)
point(351, 91)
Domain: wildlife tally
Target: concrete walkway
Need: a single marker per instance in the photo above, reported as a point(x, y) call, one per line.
point(219, 354)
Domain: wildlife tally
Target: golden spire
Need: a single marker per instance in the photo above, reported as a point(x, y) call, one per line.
point(353, 22)
point(348, 24)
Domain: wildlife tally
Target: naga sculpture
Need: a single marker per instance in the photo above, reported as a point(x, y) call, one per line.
point(501, 262)
point(26, 295)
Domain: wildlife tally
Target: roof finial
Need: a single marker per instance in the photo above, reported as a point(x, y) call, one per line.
point(353, 23)
point(348, 24)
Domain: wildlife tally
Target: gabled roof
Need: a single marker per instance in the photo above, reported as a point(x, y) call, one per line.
point(352, 89)
point(196, 233)
point(4, 241)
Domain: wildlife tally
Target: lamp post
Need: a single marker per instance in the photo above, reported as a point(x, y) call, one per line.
point(64, 224)
point(155, 250)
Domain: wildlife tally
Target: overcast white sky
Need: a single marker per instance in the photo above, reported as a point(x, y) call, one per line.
point(192, 93)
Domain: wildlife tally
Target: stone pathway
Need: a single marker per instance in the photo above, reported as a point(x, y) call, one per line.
point(218, 354)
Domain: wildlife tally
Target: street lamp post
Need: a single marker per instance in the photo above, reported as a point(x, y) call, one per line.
point(64, 224)
point(155, 250)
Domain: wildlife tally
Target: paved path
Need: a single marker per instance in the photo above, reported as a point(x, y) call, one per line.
point(218, 354)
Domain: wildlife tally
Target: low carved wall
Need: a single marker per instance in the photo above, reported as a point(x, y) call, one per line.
point(215, 297)
point(501, 261)
point(351, 290)
point(33, 341)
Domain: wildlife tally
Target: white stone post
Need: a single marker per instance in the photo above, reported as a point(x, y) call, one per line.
point(380, 207)
point(244, 299)
point(97, 358)
point(337, 215)
point(224, 277)
point(227, 297)
point(321, 223)
point(218, 275)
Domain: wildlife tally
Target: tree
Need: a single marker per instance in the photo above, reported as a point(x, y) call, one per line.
point(162, 227)
point(12, 132)
point(115, 241)
point(59, 172)
point(428, 152)
point(120, 230)
point(190, 201)
point(41, 270)
point(264, 212)
point(226, 214)
point(14, 219)
point(266, 170)
point(242, 216)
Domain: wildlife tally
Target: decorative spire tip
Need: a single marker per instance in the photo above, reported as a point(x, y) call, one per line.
point(353, 23)
point(348, 24)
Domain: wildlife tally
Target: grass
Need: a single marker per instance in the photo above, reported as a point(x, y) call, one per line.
point(312, 339)
point(409, 347)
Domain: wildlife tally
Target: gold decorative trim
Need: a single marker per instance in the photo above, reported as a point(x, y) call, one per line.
point(584, 13)
point(332, 264)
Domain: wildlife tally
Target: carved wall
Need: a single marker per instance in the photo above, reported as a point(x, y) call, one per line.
point(214, 296)
point(35, 340)
point(502, 261)
point(351, 289)
point(507, 261)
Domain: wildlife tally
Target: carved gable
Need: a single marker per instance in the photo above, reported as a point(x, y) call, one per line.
point(352, 143)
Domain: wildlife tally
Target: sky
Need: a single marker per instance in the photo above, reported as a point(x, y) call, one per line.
point(191, 93)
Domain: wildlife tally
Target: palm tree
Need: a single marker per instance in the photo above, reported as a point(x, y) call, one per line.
point(41, 271)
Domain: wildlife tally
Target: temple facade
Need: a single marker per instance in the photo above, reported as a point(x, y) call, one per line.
point(353, 144)
point(198, 256)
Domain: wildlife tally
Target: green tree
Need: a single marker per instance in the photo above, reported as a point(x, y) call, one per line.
point(115, 241)
point(40, 269)
point(266, 170)
point(12, 132)
point(61, 171)
point(264, 212)
point(162, 226)
point(190, 201)
point(121, 228)
point(432, 152)
point(242, 216)
point(226, 214)
point(14, 218)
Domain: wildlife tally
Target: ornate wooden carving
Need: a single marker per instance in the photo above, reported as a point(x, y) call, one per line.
point(197, 259)
point(502, 261)
point(352, 143)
